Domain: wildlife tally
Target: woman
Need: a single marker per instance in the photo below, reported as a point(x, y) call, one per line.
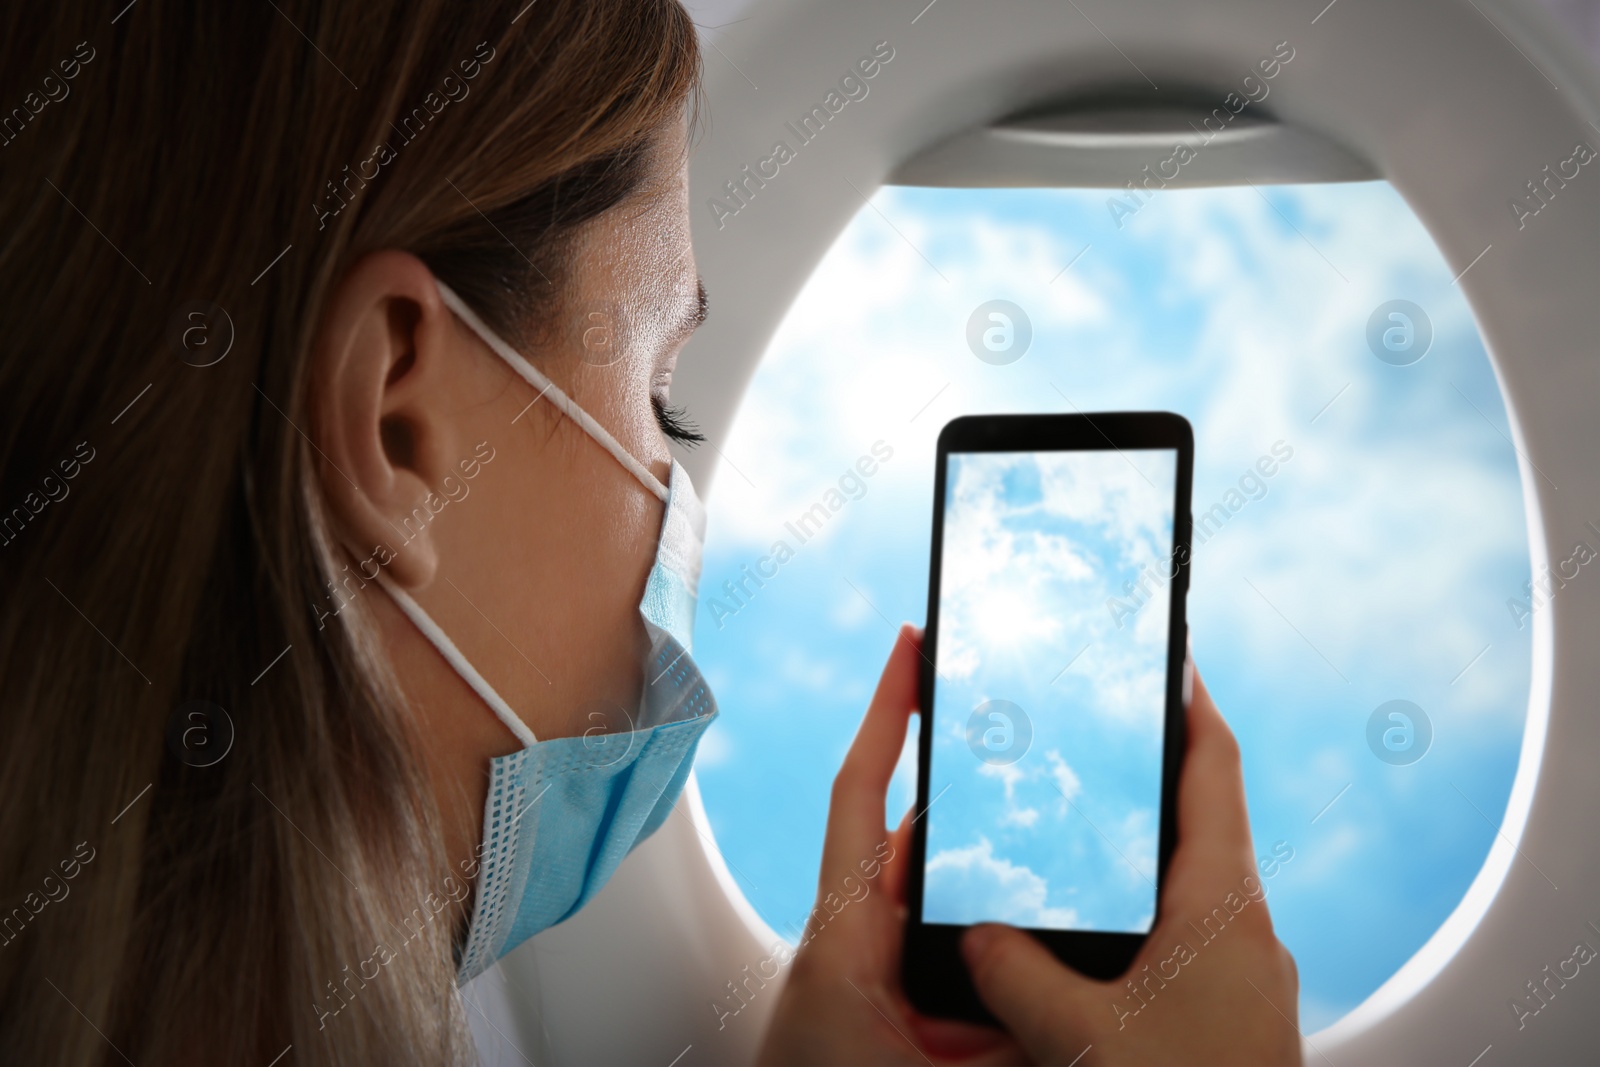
point(308, 568)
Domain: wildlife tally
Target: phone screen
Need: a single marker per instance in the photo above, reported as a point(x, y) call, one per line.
point(1049, 697)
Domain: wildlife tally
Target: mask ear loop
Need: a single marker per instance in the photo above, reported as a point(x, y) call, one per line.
point(537, 378)
point(447, 648)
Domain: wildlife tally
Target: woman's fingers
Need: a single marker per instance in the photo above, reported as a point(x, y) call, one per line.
point(856, 821)
point(876, 748)
point(859, 856)
point(1212, 818)
point(843, 1002)
point(1055, 1011)
point(969, 1044)
point(1028, 989)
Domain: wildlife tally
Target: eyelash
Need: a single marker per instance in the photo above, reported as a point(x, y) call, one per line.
point(675, 423)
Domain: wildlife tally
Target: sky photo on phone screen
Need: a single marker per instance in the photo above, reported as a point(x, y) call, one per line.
point(1384, 557)
point(1051, 688)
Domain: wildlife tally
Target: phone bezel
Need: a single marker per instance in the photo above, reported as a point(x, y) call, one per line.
point(934, 975)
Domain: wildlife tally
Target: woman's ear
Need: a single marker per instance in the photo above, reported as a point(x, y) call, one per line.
point(381, 410)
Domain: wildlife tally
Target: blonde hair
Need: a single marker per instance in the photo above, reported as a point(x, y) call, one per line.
point(230, 158)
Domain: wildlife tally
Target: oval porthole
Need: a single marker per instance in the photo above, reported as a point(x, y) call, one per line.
point(1361, 604)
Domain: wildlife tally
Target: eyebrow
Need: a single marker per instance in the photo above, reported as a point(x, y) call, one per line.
point(694, 312)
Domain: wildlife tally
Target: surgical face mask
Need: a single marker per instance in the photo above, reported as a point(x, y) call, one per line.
point(563, 813)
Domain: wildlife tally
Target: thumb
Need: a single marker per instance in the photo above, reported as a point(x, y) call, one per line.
point(1041, 1001)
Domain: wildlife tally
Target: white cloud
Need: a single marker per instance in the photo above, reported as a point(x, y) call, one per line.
point(1008, 773)
point(1136, 838)
point(799, 666)
point(1066, 778)
point(1124, 688)
point(1332, 851)
point(972, 884)
point(1388, 499)
point(715, 749)
point(1014, 595)
point(1023, 817)
point(877, 320)
point(851, 610)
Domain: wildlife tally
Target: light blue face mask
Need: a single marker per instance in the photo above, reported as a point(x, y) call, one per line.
point(563, 813)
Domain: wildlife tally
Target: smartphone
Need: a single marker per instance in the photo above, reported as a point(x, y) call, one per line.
point(1052, 691)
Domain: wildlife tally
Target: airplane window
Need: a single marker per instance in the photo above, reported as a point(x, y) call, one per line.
point(1362, 597)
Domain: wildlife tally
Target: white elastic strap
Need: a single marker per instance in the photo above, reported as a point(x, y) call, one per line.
point(536, 378)
point(447, 648)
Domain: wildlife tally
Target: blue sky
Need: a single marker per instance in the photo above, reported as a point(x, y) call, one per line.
point(1045, 808)
point(1373, 564)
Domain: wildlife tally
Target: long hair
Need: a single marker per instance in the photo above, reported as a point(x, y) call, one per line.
point(214, 822)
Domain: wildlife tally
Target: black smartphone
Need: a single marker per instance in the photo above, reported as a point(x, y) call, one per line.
point(1052, 701)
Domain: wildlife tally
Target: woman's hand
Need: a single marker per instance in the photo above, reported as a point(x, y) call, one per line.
point(843, 1002)
point(1221, 992)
